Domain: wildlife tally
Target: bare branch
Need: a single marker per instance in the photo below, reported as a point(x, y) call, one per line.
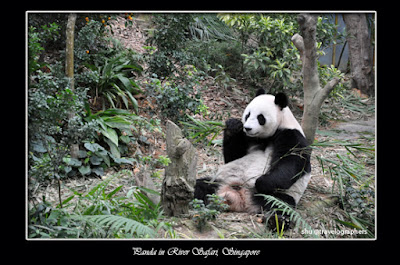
point(299, 43)
point(330, 85)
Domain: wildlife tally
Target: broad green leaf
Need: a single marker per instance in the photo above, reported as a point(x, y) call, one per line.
point(111, 134)
point(138, 68)
point(117, 122)
point(111, 111)
point(74, 162)
point(93, 147)
point(96, 160)
point(84, 170)
point(113, 148)
point(125, 139)
point(133, 100)
point(99, 171)
point(125, 81)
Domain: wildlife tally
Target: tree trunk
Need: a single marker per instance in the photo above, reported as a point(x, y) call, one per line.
point(69, 67)
point(314, 95)
point(360, 53)
point(180, 175)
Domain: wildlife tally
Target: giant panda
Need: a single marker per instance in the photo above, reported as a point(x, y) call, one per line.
point(265, 153)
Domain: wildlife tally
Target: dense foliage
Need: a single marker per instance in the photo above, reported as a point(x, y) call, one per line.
point(59, 117)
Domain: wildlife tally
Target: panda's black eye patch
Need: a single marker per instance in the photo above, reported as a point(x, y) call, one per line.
point(261, 119)
point(247, 116)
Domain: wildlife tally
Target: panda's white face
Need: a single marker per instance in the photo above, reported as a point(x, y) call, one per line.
point(262, 117)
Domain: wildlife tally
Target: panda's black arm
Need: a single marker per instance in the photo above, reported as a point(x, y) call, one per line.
point(234, 144)
point(291, 159)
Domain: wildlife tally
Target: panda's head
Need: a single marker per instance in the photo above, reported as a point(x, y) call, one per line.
point(263, 116)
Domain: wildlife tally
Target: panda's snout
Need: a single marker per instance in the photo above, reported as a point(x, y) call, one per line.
point(247, 129)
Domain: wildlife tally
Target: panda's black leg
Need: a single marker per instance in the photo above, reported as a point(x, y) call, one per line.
point(273, 215)
point(283, 219)
point(234, 144)
point(204, 187)
point(278, 221)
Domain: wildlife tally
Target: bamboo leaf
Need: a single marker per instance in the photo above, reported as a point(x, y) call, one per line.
point(114, 191)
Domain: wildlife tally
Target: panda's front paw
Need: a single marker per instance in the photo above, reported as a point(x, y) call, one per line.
point(233, 126)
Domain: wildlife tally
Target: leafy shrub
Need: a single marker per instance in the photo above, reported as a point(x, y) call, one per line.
point(51, 129)
point(104, 71)
point(36, 40)
point(99, 213)
point(327, 73)
point(203, 214)
point(115, 80)
point(93, 158)
point(178, 95)
point(222, 78)
point(59, 117)
point(90, 44)
point(116, 130)
point(171, 32)
point(269, 57)
point(46, 221)
point(207, 55)
point(269, 53)
point(161, 64)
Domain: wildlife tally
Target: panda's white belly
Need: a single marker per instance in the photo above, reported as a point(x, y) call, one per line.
point(245, 171)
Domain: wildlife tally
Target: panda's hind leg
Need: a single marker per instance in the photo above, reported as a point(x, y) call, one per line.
point(203, 187)
point(276, 221)
point(272, 215)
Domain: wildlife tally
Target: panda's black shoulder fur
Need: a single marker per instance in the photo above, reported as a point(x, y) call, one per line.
point(287, 143)
point(290, 161)
point(236, 144)
point(289, 140)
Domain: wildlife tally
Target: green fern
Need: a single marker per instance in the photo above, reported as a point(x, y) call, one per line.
point(117, 223)
point(285, 208)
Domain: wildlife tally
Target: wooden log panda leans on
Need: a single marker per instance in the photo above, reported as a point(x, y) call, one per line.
point(265, 153)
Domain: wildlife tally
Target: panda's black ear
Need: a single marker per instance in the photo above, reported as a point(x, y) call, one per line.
point(260, 91)
point(281, 100)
